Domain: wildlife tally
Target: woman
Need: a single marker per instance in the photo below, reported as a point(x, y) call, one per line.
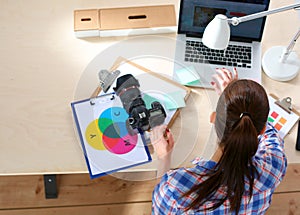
point(246, 168)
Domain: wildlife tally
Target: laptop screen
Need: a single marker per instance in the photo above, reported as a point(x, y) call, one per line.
point(194, 16)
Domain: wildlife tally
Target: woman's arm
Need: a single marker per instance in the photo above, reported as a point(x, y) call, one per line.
point(163, 143)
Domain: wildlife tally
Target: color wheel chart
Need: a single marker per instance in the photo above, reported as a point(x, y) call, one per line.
point(104, 136)
point(281, 120)
point(109, 132)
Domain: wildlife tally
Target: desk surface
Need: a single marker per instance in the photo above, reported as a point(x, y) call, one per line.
point(42, 66)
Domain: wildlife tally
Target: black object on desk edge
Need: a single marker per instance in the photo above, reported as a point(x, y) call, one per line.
point(298, 137)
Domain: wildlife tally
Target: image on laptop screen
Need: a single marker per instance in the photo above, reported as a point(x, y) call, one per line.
point(195, 15)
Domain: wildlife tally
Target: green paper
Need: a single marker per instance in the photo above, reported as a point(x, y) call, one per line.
point(174, 100)
point(148, 100)
point(193, 83)
point(187, 75)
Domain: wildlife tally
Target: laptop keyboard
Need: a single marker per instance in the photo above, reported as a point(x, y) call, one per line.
point(235, 55)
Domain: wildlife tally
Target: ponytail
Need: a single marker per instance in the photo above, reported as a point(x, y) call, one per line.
point(235, 163)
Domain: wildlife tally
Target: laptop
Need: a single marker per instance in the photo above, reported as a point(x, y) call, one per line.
point(243, 52)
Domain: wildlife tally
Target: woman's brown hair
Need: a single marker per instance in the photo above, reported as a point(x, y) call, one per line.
point(241, 115)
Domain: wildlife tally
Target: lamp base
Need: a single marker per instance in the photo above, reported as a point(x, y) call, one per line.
point(280, 71)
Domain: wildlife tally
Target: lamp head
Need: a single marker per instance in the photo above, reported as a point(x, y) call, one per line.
point(217, 33)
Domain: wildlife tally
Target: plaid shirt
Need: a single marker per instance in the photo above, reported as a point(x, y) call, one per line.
point(269, 160)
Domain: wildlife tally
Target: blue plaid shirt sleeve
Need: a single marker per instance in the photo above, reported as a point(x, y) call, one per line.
point(162, 197)
point(270, 158)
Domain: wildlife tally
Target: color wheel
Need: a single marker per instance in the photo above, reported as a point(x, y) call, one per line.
point(109, 132)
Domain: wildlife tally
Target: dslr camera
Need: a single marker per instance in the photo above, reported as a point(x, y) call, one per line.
point(141, 118)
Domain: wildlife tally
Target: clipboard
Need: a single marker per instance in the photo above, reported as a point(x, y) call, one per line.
point(106, 143)
point(105, 158)
point(282, 116)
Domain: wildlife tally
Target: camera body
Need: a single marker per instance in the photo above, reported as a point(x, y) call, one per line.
point(141, 118)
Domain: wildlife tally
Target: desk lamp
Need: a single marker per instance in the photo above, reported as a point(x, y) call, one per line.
point(279, 62)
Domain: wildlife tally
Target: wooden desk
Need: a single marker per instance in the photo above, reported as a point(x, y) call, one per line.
point(42, 65)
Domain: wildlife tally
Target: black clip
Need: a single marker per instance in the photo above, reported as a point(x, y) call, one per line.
point(94, 99)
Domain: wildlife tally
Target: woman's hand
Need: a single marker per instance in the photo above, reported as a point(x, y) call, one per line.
point(222, 78)
point(162, 141)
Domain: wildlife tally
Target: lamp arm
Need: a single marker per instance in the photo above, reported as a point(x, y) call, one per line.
point(287, 51)
point(236, 21)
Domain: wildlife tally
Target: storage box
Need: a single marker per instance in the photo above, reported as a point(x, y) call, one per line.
point(125, 21)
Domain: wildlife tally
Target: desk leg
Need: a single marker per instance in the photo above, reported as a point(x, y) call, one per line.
point(50, 186)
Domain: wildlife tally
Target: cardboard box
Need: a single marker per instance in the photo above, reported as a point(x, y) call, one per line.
point(125, 21)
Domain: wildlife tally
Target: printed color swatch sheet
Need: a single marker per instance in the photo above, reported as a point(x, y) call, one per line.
point(281, 119)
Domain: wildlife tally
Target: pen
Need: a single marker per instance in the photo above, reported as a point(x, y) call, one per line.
point(166, 134)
